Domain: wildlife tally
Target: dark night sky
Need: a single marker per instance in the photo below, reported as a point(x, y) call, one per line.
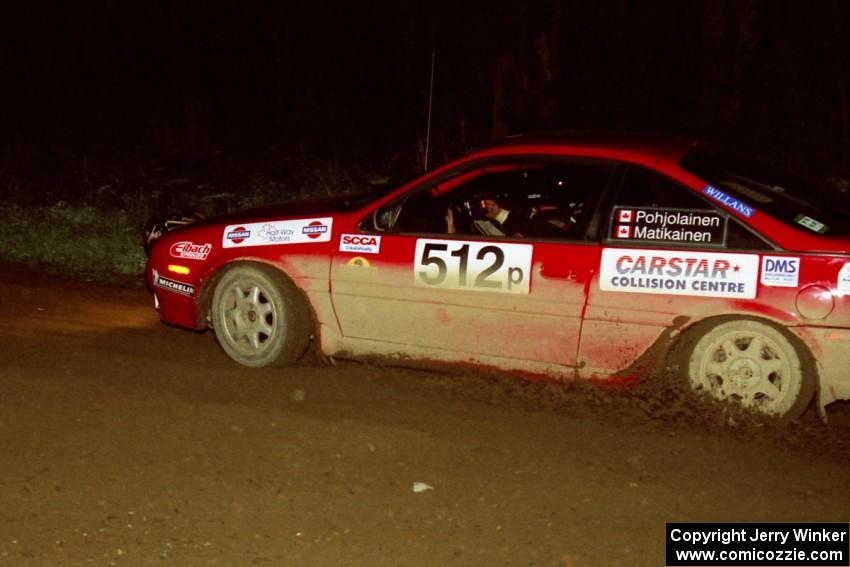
point(334, 78)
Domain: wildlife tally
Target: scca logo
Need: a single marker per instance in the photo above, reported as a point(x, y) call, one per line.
point(360, 243)
point(359, 240)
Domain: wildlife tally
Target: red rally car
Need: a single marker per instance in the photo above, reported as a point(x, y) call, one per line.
point(592, 257)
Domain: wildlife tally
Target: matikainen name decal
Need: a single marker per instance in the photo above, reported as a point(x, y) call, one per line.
point(669, 226)
point(173, 285)
point(277, 232)
point(709, 274)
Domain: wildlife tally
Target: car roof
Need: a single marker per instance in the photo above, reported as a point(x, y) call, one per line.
point(651, 147)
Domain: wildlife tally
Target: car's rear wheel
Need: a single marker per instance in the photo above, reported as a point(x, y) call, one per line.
point(259, 317)
point(754, 364)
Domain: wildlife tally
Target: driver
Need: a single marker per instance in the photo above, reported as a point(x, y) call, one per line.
point(508, 223)
point(498, 220)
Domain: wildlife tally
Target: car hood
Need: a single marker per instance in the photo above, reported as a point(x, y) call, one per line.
point(295, 209)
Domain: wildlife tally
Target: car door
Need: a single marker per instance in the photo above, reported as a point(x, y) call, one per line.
point(516, 296)
point(666, 254)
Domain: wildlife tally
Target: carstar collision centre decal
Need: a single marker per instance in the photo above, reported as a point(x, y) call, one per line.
point(708, 274)
point(476, 266)
point(298, 231)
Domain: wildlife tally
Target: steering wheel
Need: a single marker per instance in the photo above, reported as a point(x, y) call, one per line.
point(463, 224)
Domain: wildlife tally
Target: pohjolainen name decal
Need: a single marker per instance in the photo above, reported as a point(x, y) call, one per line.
point(669, 225)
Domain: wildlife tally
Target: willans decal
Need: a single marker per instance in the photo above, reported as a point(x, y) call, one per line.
point(729, 201)
point(277, 232)
point(706, 274)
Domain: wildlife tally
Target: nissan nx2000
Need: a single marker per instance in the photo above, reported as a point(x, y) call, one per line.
point(590, 257)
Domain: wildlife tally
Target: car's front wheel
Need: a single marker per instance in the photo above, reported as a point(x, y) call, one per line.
point(259, 317)
point(754, 364)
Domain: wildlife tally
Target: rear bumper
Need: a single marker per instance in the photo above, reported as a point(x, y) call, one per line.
point(831, 349)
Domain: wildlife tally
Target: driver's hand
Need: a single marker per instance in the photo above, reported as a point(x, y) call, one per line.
point(450, 221)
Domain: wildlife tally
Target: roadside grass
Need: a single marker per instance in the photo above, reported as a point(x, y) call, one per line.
point(78, 238)
point(98, 233)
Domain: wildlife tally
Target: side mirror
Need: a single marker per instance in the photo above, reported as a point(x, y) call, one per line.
point(384, 217)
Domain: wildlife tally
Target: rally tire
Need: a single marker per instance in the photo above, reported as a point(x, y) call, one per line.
point(753, 364)
point(260, 318)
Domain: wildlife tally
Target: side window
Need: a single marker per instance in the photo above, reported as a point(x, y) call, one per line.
point(653, 210)
point(535, 201)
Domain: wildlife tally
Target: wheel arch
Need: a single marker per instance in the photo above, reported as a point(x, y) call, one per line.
point(214, 275)
point(689, 334)
point(690, 331)
point(675, 342)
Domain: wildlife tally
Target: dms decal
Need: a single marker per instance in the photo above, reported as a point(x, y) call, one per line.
point(728, 200)
point(277, 232)
point(190, 250)
point(360, 243)
point(179, 288)
point(780, 271)
point(706, 274)
point(669, 226)
point(477, 266)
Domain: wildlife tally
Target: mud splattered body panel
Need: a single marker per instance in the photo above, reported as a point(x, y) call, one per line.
point(571, 258)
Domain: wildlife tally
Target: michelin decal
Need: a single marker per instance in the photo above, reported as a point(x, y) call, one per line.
point(269, 233)
point(667, 272)
point(179, 288)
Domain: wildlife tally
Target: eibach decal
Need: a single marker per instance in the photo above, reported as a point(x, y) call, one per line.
point(190, 250)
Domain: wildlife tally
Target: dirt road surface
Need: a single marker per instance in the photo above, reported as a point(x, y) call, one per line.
point(128, 442)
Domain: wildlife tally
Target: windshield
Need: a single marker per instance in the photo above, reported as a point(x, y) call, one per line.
point(377, 190)
point(798, 203)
